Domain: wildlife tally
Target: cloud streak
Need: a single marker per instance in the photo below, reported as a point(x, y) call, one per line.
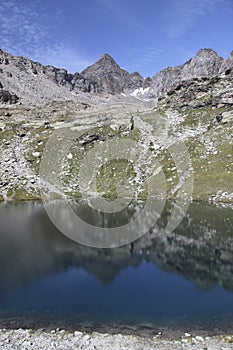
point(153, 55)
point(63, 56)
point(120, 14)
point(147, 55)
point(183, 14)
point(25, 30)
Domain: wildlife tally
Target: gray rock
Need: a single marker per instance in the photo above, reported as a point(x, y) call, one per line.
point(206, 63)
point(227, 65)
point(106, 76)
point(7, 97)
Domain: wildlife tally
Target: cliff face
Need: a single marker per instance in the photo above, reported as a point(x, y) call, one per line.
point(206, 63)
point(30, 82)
point(227, 64)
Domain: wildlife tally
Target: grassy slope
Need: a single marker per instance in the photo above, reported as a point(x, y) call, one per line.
point(210, 151)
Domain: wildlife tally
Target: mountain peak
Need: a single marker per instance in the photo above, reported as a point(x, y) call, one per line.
point(205, 63)
point(105, 57)
point(206, 50)
point(109, 77)
point(105, 62)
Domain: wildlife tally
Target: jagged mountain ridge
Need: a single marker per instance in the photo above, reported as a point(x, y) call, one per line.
point(31, 81)
point(27, 81)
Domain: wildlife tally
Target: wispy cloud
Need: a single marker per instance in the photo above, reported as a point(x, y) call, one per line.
point(146, 55)
point(62, 55)
point(182, 15)
point(25, 28)
point(120, 14)
point(159, 57)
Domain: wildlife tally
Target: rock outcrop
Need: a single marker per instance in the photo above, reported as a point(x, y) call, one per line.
point(227, 65)
point(213, 91)
point(7, 97)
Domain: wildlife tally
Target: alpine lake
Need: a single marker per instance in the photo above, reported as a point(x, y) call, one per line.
point(162, 283)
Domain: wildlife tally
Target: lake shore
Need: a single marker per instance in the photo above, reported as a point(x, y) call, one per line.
point(61, 339)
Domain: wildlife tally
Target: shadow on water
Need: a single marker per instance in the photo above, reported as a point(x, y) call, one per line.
point(161, 280)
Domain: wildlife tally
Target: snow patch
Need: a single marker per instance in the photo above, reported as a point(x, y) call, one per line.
point(140, 91)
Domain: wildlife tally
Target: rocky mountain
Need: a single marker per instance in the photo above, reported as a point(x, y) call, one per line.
point(107, 77)
point(227, 65)
point(205, 63)
point(25, 81)
point(191, 104)
point(31, 82)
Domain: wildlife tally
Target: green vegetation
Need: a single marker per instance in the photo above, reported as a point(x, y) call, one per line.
point(114, 173)
point(21, 194)
point(210, 147)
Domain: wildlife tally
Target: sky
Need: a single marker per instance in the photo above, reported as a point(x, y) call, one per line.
point(141, 35)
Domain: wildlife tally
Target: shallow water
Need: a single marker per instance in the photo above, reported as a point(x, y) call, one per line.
point(163, 280)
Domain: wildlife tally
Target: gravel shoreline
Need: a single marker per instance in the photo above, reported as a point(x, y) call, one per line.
point(27, 339)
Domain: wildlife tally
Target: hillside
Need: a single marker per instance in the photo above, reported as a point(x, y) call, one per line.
point(178, 105)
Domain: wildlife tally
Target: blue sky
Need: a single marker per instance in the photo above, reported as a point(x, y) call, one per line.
point(142, 35)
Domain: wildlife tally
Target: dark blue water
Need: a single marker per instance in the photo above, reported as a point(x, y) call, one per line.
point(184, 278)
point(142, 292)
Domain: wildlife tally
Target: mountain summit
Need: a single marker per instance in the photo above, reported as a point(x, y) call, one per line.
point(105, 62)
point(107, 76)
point(206, 63)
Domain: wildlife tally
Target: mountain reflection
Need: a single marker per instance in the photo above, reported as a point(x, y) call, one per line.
point(200, 249)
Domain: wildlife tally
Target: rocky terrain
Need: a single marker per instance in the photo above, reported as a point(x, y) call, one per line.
point(60, 339)
point(190, 104)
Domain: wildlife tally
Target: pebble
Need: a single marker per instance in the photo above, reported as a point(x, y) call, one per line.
point(36, 154)
point(184, 340)
point(78, 334)
point(40, 339)
point(198, 338)
point(70, 156)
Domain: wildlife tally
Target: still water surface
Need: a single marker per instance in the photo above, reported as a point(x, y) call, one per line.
point(181, 279)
